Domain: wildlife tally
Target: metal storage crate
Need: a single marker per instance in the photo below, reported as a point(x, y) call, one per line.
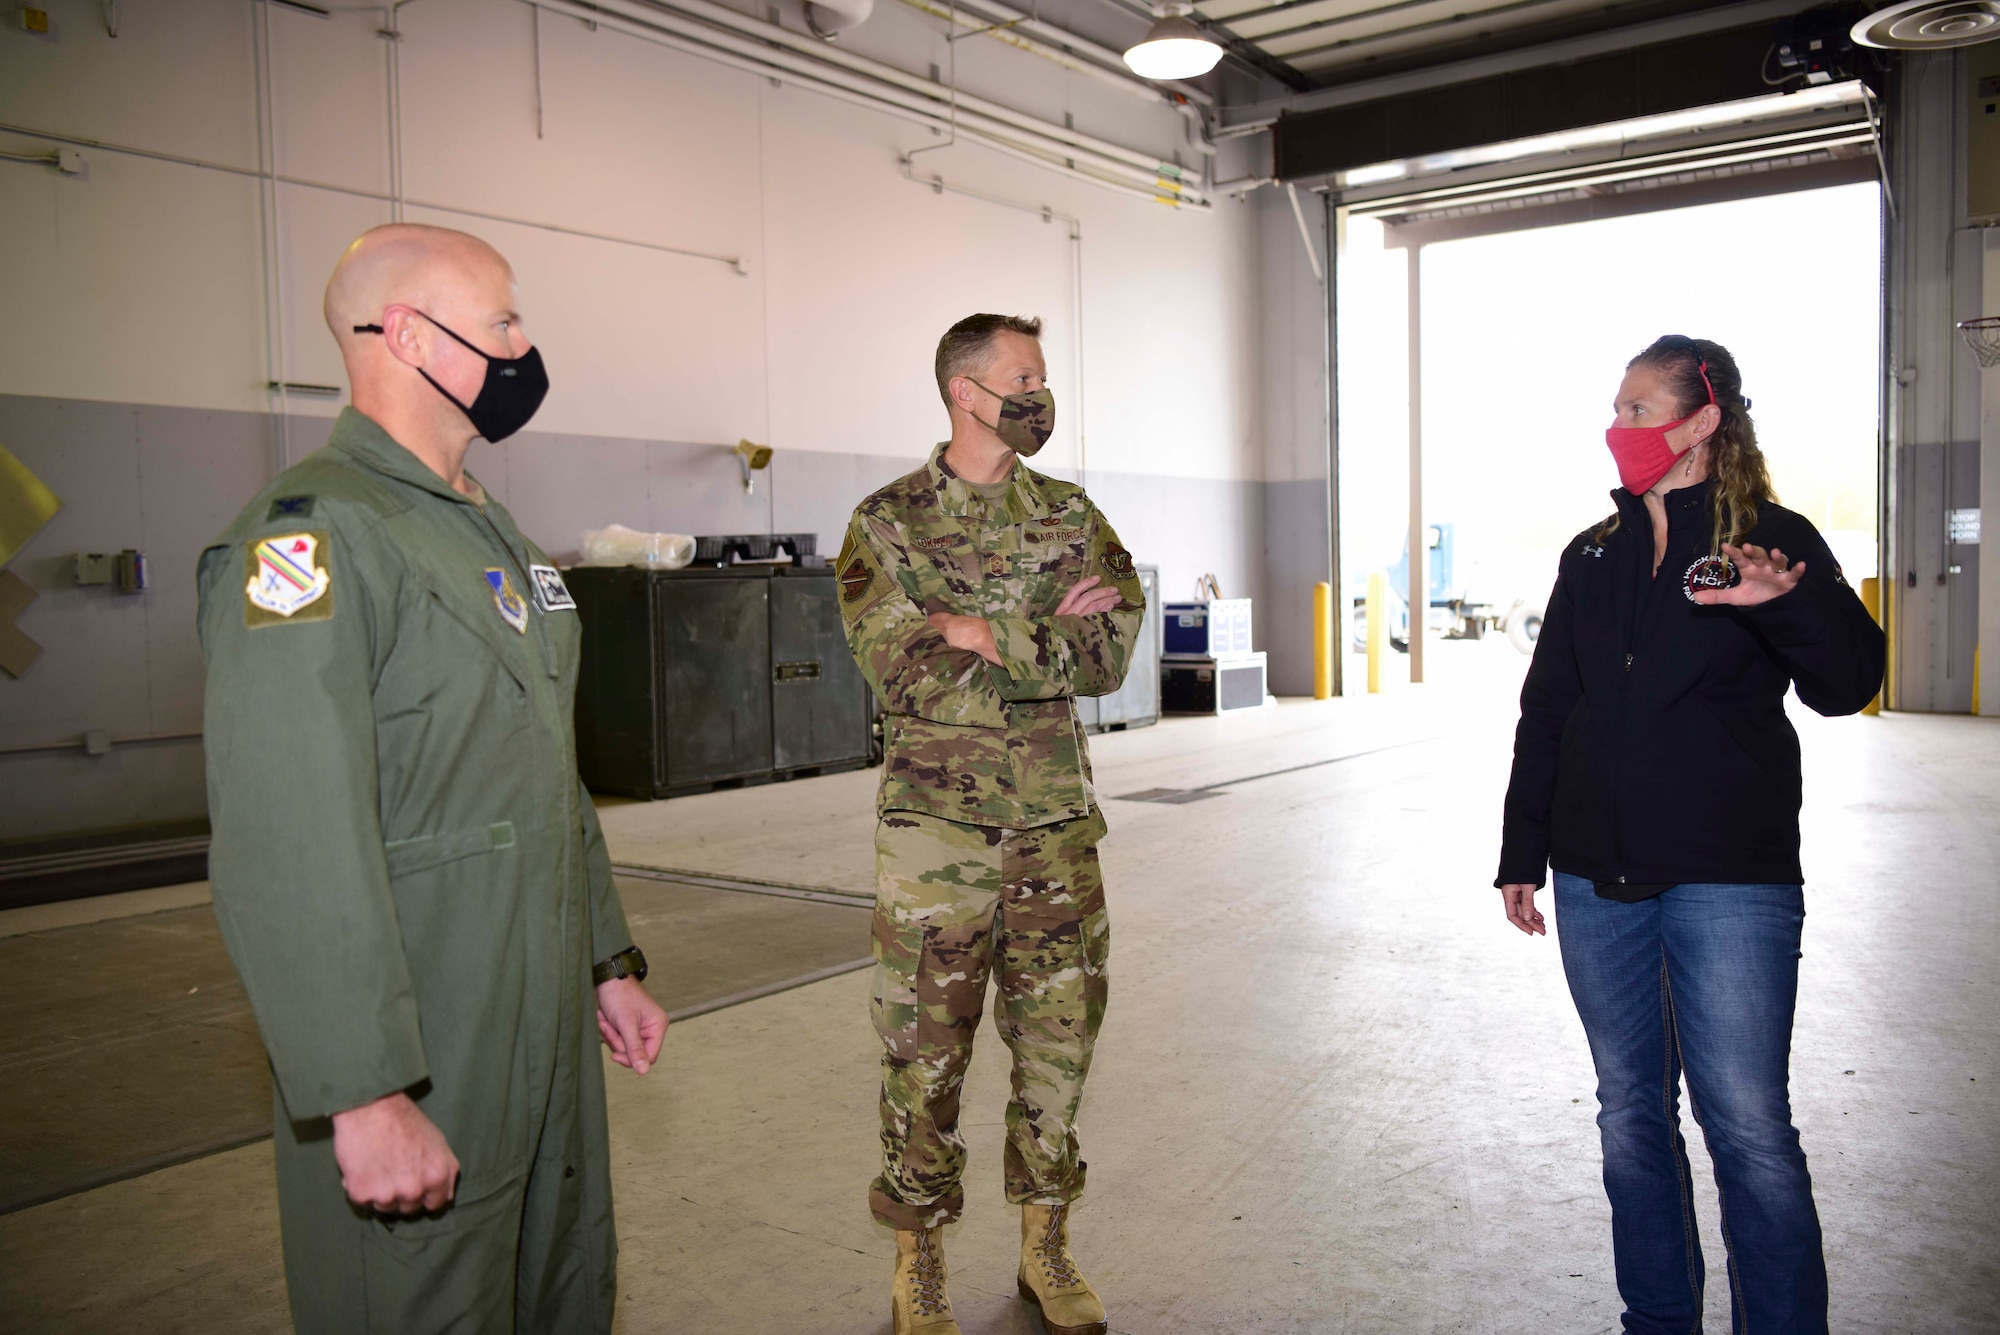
point(1215, 628)
point(1212, 685)
point(702, 678)
point(1136, 703)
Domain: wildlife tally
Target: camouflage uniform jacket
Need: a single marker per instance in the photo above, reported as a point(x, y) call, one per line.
point(964, 740)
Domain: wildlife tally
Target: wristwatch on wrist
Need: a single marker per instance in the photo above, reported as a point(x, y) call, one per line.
point(627, 963)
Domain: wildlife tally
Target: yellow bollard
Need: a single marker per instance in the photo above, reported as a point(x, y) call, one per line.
point(1378, 628)
point(1871, 598)
point(1322, 641)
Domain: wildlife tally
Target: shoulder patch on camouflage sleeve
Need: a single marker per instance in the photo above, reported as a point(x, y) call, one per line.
point(853, 570)
point(1117, 561)
point(288, 581)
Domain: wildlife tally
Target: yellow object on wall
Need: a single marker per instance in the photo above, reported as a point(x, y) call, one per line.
point(25, 505)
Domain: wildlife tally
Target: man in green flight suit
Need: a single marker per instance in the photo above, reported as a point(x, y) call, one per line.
point(407, 871)
point(980, 598)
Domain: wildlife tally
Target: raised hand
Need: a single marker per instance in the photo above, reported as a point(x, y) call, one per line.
point(1763, 575)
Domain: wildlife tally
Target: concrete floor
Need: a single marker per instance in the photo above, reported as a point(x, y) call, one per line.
point(1334, 1092)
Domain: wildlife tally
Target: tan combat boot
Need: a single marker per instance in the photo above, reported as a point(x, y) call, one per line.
point(1049, 1278)
point(918, 1302)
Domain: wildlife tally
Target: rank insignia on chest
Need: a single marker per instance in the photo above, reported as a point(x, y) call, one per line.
point(1117, 561)
point(287, 583)
point(551, 594)
point(513, 608)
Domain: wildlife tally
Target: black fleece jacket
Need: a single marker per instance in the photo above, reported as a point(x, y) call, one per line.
point(1653, 745)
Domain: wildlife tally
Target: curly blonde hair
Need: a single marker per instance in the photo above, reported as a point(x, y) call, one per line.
point(1692, 367)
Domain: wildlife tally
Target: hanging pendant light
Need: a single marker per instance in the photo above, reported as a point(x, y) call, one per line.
point(1174, 47)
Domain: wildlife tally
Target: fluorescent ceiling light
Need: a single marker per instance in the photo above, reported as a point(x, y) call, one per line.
point(1174, 48)
point(1376, 174)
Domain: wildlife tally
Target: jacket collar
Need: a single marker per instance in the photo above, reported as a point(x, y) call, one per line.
point(1685, 506)
point(360, 438)
point(956, 498)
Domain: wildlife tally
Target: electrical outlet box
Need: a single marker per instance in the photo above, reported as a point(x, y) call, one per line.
point(129, 571)
point(94, 567)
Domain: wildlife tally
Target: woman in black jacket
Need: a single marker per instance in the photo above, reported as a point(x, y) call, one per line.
point(1656, 773)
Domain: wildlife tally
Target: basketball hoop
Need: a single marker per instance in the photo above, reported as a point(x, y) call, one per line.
point(1983, 337)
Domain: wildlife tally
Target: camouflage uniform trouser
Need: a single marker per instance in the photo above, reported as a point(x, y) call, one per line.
point(952, 902)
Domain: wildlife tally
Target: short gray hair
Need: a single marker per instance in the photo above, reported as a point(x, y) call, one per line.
point(966, 345)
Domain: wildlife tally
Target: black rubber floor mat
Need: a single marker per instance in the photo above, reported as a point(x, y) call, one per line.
point(129, 1045)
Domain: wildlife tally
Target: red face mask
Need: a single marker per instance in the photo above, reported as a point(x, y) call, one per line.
point(1642, 453)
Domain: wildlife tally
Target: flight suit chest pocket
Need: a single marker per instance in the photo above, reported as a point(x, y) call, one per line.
point(470, 614)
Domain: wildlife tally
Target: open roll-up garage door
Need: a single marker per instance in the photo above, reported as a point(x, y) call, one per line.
point(1820, 137)
point(1825, 136)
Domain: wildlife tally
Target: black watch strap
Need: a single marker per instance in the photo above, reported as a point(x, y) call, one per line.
point(627, 963)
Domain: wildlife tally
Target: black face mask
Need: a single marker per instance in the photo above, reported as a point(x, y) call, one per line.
point(514, 388)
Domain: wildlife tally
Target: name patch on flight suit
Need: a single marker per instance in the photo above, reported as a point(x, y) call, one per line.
point(287, 584)
point(551, 594)
point(513, 608)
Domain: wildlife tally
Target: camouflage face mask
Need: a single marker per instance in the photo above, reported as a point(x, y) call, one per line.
point(1026, 421)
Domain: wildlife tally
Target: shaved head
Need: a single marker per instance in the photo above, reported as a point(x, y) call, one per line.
point(407, 264)
point(434, 304)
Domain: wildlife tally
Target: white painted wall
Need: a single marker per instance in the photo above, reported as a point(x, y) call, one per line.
point(146, 278)
point(137, 298)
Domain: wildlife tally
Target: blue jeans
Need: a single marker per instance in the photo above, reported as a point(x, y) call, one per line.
point(1701, 978)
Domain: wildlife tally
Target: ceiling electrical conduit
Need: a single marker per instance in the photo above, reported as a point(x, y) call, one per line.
point(1007, 30)
point(812, 58)
point(1064, 48)
point(704, 41)
point(1159, 192)
point(661, 29)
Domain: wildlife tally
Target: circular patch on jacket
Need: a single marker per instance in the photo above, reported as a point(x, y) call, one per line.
point(855, 579)
point(1118, 561)
point(1710, 572)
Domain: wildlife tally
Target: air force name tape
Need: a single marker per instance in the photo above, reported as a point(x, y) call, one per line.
point(286, 581)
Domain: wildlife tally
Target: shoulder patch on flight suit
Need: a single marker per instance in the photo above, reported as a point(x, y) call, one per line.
point(286, 582)
point(1117, 561)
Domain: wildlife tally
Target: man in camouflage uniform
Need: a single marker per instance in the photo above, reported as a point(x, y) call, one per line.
point(980, 598)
